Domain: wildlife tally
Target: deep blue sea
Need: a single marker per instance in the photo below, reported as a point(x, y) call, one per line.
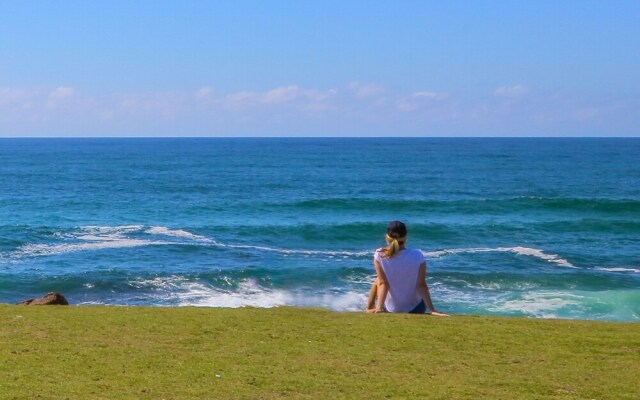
point(544, 228)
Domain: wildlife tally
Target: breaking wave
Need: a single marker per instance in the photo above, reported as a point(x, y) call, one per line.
point(93, 238)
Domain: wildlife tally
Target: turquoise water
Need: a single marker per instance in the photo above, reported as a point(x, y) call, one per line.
point(521, 227)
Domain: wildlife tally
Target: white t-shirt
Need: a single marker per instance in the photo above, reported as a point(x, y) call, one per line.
point(402, 274)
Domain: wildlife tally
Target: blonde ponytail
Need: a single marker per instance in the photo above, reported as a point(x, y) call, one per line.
point(393, 246)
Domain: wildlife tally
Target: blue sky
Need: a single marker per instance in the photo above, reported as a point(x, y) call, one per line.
point(319, 68)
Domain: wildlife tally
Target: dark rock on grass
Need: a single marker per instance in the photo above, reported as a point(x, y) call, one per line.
point(53, 298)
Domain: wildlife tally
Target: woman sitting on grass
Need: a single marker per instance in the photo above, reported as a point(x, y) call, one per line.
point(400, 285)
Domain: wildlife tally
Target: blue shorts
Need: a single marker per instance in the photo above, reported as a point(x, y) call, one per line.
point(421, 308)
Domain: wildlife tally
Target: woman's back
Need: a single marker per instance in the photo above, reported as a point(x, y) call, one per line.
point(401, 271)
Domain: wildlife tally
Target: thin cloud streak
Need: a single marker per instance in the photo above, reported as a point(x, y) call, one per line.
point(353, 110)
point(511, 91)
point(366, 91)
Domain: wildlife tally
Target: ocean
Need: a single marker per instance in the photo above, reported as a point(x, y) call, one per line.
point(529, 227)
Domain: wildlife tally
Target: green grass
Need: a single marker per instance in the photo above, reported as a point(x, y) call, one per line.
point(56, 352)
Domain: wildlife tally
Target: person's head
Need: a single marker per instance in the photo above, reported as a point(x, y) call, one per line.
point(396, 238)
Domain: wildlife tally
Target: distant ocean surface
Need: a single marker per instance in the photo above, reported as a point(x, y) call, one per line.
point(544, 228)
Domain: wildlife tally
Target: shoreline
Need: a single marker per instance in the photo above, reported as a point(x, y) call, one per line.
point(320, 308)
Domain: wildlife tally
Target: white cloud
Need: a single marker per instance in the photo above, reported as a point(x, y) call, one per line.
point(418, 99)
point(14, 96)
point(511, 91)
point(66, 110)
point(282, 94)
point(203, 93)
point(405, 105)
point(60, 96)
point(167, 105)
point(364, 91)
point(429, 95)
point(62, 93)
point(240, 99)
point(292, 95)
point(320, 96)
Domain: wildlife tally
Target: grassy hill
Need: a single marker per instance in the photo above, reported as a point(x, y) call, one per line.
point(57, 352)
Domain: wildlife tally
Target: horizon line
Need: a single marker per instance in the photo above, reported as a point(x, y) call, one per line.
point(320, 137)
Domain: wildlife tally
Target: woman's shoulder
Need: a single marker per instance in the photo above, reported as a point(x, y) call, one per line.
point(382, 256)
point(417, 253)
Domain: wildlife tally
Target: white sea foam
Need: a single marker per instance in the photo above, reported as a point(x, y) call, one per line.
point(244, 297)
point(98, 238)
point(110, 230)
point(179, 233)
point(523, 251)
point(267, 298)
point(105, 237)
point(619, 269)
point(165, 282)
point(500, 286)
point(35, 250)
point(545, 304)
point(306, 253)
point(87, 238)
point(248, 293)
point(446, 294)
point(102, 232)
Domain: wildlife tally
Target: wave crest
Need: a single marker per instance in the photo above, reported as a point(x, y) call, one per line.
point(246, 293)
point(519, 250)
point(92, 238)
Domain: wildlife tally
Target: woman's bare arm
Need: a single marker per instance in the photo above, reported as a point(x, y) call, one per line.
point(423, 290)
point(371, 303)
point(383, 287)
